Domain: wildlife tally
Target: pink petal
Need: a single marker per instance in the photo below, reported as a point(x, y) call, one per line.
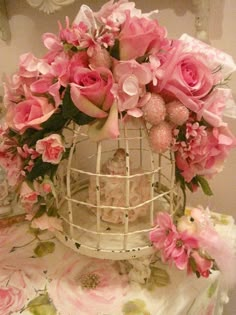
point(84, 105)
point(105, 128)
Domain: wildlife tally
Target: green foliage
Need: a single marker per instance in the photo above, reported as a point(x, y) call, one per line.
point(135, 307)
point(70, 111)
point(115, 50)
point(204, 185)
point(41, 305)
point(41, 168)
point(44, 248)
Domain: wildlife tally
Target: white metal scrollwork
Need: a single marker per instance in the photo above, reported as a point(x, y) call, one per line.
point(49, 6)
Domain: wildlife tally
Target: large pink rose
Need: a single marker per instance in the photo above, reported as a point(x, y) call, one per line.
point(91, 91)
point(51, 148)
point(185, 76)
point(140, 36)
point(90, 286)
point(29, 113)
point(204, 152)
point(11, 300)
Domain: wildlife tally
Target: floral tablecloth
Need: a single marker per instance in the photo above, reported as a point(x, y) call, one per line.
point(39, 275)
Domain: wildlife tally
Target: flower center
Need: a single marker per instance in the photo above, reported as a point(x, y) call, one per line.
point(89, 281)
point(179, 243)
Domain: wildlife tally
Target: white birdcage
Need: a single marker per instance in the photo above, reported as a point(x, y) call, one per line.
point(114, 188)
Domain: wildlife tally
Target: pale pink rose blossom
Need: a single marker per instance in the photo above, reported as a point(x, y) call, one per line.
point(12, 300)
point(204, 152)
point(46, 222)
point(91, 91)
point(29, 113)
point(140, 36)
point(51, 148)
point(185, 76)
point(27, 194)
point(92, 286)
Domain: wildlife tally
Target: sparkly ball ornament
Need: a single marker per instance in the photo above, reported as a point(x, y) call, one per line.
point(177, 113)
point(160, 137)
point(154, 111)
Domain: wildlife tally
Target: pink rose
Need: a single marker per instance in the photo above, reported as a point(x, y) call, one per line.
point(91, 91)
point(140, 36)
point(204, 152)
point(27, 194)
point(29, 113)
point(92, 286)
point(185, 76)
point(12, 300)
point(51, 148)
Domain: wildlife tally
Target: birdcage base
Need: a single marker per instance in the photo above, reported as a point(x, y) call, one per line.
point(83, 232)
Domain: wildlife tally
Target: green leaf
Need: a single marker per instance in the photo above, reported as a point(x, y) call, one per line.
point(212, 289)
point(31, 136)
point(41, 305)
point(82, 119)
point(204, 185)
point(56, 122)
point(52, 212)
point(44, 248)
point(115, 50)
point(135, 307)
point(41, 211)
point(70, 111)
point(41, 168)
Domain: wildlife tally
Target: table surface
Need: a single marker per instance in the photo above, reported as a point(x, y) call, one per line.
point(41, 276)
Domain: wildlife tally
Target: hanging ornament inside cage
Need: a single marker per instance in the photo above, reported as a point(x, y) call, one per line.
point(113, 191)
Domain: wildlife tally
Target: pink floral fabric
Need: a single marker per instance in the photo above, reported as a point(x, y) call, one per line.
point(37, 276)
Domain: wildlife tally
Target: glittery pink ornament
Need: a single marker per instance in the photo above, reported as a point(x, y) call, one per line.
point(177, 112)
point(160, 137)
point(154, 111)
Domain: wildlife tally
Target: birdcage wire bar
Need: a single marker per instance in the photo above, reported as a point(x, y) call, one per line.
point(85, 229)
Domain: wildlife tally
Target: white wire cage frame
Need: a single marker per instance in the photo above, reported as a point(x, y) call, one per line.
point(85, 231)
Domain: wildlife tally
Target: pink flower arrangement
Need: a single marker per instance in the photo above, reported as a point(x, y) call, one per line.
point(108, 66)
point(192, 243)
point(180, 246)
